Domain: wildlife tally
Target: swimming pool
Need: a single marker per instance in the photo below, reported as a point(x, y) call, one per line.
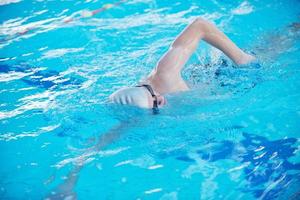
point(235, 135)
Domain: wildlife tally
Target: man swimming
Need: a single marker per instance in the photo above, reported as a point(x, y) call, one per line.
point(166, 77)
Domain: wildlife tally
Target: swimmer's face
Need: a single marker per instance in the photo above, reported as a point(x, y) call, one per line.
point(161, 100)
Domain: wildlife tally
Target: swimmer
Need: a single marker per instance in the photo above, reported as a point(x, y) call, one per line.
point(166, 77)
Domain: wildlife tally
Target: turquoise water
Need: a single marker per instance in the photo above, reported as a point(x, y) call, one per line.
point(235, 135)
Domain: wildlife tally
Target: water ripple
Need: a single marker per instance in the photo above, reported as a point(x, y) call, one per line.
point(43, 101)
point(6, 2)
point(54, 53)
point(86, 157)
point(13, 76)
point(243, 9)
point(15, 136)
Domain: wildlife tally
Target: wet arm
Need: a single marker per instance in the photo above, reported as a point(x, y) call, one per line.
point(187, 41)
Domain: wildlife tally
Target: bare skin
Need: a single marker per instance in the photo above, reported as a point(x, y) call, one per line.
point(166, 76)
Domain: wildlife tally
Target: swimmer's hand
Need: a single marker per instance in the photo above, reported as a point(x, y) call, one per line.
point(246, 59)
point(249, 61)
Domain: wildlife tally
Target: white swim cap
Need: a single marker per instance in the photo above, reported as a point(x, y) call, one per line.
point(136, 96)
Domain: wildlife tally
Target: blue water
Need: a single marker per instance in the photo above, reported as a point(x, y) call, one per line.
point(234, 135)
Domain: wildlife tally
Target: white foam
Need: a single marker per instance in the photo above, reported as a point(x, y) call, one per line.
point(153, 191)
point(60, 52)
point(155, 167)
point(6, 2)
point(243, 9)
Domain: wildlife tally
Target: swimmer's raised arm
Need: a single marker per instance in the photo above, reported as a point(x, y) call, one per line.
point(212, 35)
point(166, 77)
point(186, 43)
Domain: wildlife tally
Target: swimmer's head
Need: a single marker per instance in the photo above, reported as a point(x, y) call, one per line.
point(136, 96)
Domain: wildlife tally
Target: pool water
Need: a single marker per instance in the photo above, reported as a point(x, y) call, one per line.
point(234, 135)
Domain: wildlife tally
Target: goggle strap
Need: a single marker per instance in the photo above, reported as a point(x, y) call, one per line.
point(155, 102)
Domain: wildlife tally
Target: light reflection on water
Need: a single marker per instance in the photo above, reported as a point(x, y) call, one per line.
point(236, 131)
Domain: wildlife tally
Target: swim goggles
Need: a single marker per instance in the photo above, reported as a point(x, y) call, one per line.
point(155, 109)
